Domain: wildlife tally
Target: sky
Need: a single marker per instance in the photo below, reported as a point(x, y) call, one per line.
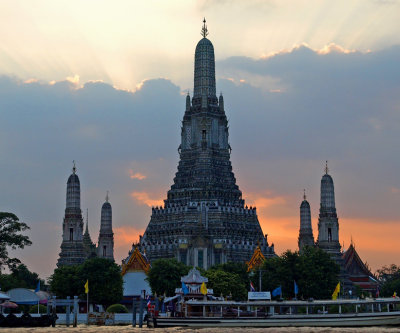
point(104, 83)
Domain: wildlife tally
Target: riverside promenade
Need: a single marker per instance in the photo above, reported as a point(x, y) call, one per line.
point(93, 329)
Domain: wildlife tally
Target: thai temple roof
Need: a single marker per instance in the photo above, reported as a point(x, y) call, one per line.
point(194, 276)
point(353, 263)
point(135, 262)
point(256, 260)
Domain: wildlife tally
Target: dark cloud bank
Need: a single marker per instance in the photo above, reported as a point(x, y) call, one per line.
point(340, 107)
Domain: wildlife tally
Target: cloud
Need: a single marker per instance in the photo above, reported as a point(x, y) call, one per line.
point(264, 200)
point(126, 235)
point(136, 175)
point(337, 106)
point(144, 199)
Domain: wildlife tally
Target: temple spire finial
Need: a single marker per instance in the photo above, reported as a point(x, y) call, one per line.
point(107, 197)
point(326, 167)
point(304, 194)
point(204, 30)
point(74, 167)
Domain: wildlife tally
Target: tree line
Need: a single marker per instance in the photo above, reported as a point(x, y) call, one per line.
point(315, 273)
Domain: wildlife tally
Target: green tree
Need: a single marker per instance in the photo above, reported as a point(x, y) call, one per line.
point(105, 281)
point(20, 277)
point(315, 273)
point(67, 281)
point(318, 274)
point(11, 237)
point(165, 275)
point(225, 284)
point(239, 268)
point(271, 273)
point(389, 279)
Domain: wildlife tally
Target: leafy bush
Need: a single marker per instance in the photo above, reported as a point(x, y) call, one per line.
point(117, 308)
point(34, 309)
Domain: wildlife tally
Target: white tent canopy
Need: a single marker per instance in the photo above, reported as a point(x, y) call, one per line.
point(23, 296)
point(3, 296)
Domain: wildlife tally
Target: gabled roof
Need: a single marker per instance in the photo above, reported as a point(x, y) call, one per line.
point(194, 276)
point(353, 263)
point(135, 262)
point(256, 260)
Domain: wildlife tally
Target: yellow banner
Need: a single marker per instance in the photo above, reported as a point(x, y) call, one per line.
point(87, 287)
point(336, 292)
point(203, 289)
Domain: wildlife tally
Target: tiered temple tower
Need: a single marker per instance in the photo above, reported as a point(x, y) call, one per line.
point(328, 228)
point(204, 220)
point(72, 249)
point(328, 224)
point(105, 246)
point(306, 237)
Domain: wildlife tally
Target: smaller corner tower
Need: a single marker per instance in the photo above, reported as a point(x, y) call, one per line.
point(88, 245)
point(328, 223)
point(328, 227)
point(105, 246)
point(306, 237)
point(72, 249)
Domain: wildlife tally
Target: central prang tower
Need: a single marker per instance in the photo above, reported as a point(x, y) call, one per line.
point(204, 220)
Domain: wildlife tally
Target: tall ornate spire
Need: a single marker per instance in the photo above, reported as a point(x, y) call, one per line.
point(74, 192)
point(204, 209)
point(327, 191)
point(106, 236)
point(204, 30)
point(306, 237)
point(204, 72)
point(72, 249)
point(328, 224)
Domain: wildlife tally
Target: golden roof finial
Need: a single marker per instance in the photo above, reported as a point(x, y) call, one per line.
point(326, 167)
point(204, 31)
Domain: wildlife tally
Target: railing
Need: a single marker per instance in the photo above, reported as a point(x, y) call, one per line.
point(199, 308)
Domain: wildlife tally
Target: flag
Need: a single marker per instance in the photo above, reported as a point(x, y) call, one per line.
point(394, 295)
point(336, 291)
point(37, 287)
point(203, 289)
point(252, 287)
point(148, 301)
point(377, 291)
point(185, 288)
point(277, 291)
point(87, 287)
point(296, 288)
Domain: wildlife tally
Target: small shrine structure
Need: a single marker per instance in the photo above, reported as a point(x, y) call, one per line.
point(193, 282)
point(134, 269)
